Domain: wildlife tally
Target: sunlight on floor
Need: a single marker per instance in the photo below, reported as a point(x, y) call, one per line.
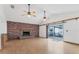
point(55, 46)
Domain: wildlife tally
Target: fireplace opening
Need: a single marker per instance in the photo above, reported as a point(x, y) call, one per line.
point(26, 33)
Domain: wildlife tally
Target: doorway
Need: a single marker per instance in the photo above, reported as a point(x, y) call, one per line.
point(55, 31)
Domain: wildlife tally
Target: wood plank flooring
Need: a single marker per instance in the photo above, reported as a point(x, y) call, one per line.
point(39, 46)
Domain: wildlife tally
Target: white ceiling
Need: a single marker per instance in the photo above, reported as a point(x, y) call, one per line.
point(54, 12)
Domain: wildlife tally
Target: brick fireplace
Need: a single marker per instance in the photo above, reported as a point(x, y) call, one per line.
point(17, 30)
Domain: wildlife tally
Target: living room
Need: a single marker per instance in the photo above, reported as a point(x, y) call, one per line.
point(39, 28)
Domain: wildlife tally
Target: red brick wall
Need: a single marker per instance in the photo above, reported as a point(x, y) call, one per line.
point(15, 29)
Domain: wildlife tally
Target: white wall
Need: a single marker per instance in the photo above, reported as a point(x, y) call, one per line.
point(3, 28)
point(42, 31)
point(73, 31)
point(0, 35)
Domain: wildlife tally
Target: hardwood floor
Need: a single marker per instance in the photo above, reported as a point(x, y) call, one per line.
point(39, 46)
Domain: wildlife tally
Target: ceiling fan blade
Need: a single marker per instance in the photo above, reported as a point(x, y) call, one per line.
point(33, 13)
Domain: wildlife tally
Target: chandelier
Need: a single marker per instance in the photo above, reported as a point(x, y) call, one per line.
point(29, 13)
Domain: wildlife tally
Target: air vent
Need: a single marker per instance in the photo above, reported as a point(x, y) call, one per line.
point(12, 6)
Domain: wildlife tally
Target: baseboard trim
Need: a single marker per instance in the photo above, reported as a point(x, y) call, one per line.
point(71, 42)
point(42, 37)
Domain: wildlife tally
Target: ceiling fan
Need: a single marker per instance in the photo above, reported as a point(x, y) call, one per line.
point(29, 12)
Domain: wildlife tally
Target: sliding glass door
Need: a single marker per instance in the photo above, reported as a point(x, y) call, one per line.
point(55, 31)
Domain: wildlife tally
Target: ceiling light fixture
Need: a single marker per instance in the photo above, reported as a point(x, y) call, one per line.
point(29, 13)
point(44, 18)
point(12, 6)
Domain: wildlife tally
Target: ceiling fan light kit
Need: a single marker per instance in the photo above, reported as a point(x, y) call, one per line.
point(33, 13)
point(29, 14)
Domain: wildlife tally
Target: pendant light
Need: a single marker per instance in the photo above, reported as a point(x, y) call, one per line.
point(44, 18)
